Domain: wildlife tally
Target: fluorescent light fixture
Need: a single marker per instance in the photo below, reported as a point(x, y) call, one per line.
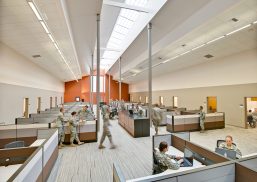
point(56, 46)
point(198, 47)
point(218, 38)
point(166, 61)
point(51, 37)
point(246, 26)
point(59, 52)
point(255, 22)
point(184, 53)
point(45, 27)
point(33, 7)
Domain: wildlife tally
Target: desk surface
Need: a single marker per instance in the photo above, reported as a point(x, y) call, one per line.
point(7, 172)
point(171, 151)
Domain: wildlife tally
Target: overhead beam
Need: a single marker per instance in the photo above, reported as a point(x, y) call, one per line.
point(126, 6)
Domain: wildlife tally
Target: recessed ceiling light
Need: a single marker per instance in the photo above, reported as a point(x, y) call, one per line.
point(208, 56)
point(184, 45)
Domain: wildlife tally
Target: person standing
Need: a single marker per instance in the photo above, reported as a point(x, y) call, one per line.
point(74, 121)
point(106, 130)
point(60, 125)
point(202, 119)
point(156, 118)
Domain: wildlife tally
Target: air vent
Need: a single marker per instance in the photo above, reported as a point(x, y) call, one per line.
point(36, 56)
point(208, 56)
point(184, 45)
point(234, 20)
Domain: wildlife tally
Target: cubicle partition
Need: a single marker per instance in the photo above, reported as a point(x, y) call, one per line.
point(31, 163)
point(180, 123)
point(207, 166)
point(246, 169)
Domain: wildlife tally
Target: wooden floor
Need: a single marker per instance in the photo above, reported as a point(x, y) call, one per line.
point(88, 163)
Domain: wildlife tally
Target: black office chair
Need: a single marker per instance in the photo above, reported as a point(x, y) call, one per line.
point(155, 165)
point(15, 144)
point(223, 141)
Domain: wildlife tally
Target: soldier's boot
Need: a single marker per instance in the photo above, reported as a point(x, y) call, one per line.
point(61, 144)
point(80, 143)
point(101, 146)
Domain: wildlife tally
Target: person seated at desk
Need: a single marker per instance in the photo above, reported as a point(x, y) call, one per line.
point(228, 145)
point(165, 160)
point(85, 114)
point(136, 110)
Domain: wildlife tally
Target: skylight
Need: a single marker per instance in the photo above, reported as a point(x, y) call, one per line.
point(128, 25)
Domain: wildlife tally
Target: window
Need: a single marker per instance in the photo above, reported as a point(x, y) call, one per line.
point(102, 83)
point(140, 98)
point(146, 99)
point(161, 101)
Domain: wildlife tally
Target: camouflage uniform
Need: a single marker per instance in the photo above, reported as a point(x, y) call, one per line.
point(202, 119)
point(165, 162)
point(73, 129)
point(156, 119)
point(60, 125)
point(85, 115)
point(232, 147)
point(106, 130)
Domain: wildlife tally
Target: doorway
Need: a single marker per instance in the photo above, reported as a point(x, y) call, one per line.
point(51, 102)
point(250, 108)
point(38, 104)
point(211, 104)
point(55, 102)
point(175, 101)
point(26, 107)
point(161, 101)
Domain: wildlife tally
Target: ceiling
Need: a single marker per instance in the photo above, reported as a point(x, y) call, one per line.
point(204, 21)
point(175, 22)
point(73, 26)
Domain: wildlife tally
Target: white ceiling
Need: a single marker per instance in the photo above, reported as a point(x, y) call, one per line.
point(168, 37)
point(73, 26)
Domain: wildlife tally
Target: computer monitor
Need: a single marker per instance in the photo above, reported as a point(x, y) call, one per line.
point(226, 153)
point(131, 112)
point(188, 158)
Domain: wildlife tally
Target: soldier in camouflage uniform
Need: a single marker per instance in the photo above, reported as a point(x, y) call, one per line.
point(106, 130)
point(156, 118)
point(60, 125)
point(202, 119)
point(228, 145)
point(164, 161)
point(85, 114)
point(74, 121)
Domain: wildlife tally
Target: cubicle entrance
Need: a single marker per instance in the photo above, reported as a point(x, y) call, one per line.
point(38, 104)
point(211, 104)
point(26, 107)
point(250, 109)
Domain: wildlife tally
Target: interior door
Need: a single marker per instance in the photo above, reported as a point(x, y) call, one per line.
point(51, 102)
point(38, 104)
point(211, 104)
point(26, 107)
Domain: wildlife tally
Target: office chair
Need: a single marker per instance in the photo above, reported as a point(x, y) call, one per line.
point(15, 144)
point(222, 141)
point(155, 165)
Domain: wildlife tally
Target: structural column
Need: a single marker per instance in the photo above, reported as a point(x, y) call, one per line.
point(149, 28)
point(98, 73)
point(91, 82)
point(109, 89)
point(120, 79)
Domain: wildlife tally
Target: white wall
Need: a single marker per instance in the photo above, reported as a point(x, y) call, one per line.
point(230, 79)
point(20, 78)
point(16, 69)
point(237, 69)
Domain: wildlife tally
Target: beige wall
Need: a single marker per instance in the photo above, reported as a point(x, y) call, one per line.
point(229, 99)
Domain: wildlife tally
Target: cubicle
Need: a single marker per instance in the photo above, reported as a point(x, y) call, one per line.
point(246, 169)
point(16, 164)
point(180, 123)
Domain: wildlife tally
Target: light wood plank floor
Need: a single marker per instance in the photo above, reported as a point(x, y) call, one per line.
point(88, 163)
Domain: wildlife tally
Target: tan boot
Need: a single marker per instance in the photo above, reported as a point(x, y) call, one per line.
point(101, 146)
point(80, 143)
point(73, 145)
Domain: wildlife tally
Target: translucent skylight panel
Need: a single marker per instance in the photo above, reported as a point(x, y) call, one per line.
point(125, 22)
point(139, 3)
point(118, 35)
point(121, 29)
point(130, 14)
point(116, 41)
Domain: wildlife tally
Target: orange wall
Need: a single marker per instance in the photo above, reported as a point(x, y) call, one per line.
point(82, 89)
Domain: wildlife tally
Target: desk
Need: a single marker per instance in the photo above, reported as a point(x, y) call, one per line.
point(173, 151)
point(37, 143)
point(7, 172)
